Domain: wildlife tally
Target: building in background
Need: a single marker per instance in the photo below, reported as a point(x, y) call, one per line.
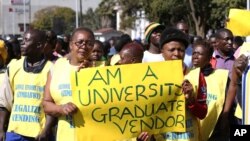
point(16, 15)
point(140, 24)
point(105, 34)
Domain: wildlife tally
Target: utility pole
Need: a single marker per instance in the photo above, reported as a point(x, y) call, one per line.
point(76, 13)
point(24, 15)
point(2, 18)
point(118, 10)
point(81, 20)
point(29, 13)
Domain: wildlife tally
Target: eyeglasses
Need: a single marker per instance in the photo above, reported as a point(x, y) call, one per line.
point(80, 43)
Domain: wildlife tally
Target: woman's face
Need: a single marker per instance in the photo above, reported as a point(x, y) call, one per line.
point(173, 50)
point(81, 45)
point(97, 53)
point(200, 56)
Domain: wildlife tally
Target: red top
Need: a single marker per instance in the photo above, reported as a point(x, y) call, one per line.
point(199, 107)
point(213, 62)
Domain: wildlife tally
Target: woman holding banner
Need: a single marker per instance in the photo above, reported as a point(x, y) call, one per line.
point(173, 43)
point(58, 100)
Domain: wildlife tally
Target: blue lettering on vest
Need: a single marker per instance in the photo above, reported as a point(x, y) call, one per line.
point(211, 97)
point(25, 94)
point(34, 88)
point(27, 108)
point(65, 90)
point(176, 135)
point(64, 86)
point(19, 87)
point(66, 93)
point(25, 118)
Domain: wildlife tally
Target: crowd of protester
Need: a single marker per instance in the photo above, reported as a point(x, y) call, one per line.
point(37, 63)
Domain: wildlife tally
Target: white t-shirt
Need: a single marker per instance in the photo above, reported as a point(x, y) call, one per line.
point(188, 56)
point(150, 57)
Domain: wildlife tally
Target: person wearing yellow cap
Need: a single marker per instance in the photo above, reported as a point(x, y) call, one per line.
point(3, 54)
point(152, 38)
point(3, 57)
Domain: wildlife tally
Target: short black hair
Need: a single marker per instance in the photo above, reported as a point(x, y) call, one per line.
point(123, 40)
point(205, 44)
point(238, 40)
point(218, 33)
point(82, 29)
point(100, 44)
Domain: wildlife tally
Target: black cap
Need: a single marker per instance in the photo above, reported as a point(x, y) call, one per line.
point(173, 34)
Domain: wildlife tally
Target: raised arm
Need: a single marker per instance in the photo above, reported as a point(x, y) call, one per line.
point(239, 66)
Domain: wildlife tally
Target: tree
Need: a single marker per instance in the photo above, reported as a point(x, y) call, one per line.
point(207, 14)
point(91, 20)
point(166, 12)
point(199, 11)
point(129, 12)
point(107, 13)
point(59, 19)
point(201, 15)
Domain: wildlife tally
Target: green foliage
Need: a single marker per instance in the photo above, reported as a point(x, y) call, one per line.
point(59, 19)
point(166, 12)
point(91, 20)
point(129, 8)
point(106, 12)
point(220, 10)
point(106, 8)
point(207, 14)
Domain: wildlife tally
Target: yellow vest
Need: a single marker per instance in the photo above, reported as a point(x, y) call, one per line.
point(61, 93)
point(27, 116)
point(15, 66)
point(216, 88)
point(99, 64)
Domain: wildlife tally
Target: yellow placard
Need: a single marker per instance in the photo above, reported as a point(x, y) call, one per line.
point(238, 23)
point(245, 48)
point(119, 102)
